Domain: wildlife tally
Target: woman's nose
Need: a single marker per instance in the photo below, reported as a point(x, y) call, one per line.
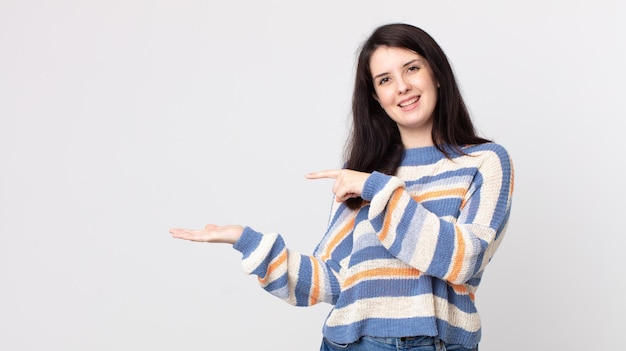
point(403, 86)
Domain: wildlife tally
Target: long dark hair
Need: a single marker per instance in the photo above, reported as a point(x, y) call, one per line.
point(374, 143)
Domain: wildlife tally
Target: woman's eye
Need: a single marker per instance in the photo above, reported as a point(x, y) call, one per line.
point(383, 81)
point(413, 68)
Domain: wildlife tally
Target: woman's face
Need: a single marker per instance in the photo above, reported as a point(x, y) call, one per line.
point(405, 88)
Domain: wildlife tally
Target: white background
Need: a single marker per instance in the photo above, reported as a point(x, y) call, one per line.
point(122, 119)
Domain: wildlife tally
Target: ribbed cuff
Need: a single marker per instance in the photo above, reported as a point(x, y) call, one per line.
point(248, 241)
point(374, 183)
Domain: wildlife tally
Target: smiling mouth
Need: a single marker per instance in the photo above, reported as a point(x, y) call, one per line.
point(409, 102)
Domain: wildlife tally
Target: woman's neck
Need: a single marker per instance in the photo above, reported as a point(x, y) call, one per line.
point(415, 141)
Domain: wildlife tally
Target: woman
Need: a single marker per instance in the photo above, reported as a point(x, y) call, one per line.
point(421, 206)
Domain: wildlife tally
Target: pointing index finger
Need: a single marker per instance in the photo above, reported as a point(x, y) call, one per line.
point(332, 173)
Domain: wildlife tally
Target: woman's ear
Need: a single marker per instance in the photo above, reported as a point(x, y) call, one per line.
point(375, 97)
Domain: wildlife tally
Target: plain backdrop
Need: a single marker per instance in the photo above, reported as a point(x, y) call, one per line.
point(122, 119)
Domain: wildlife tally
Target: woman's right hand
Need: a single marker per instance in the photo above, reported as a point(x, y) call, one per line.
point(228, 234)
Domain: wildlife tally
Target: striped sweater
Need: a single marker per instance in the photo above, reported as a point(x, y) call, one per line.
point(409, 261)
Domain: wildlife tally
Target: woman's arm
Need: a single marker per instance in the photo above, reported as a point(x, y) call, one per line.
point(452, 249)
point(300, 280)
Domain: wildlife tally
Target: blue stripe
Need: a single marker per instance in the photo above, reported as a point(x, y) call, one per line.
point(444, 207)
point(303, 286)
point(506, 219)
point(277, 284)
point(445, 291)
point(404, 227)
point(474, 204)
point(443, 251)
point(370, 253)
point(248, 242)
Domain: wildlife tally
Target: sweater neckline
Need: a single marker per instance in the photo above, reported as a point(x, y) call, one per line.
point(426, 154)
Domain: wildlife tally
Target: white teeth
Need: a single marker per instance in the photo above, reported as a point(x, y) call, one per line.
point(407, 103)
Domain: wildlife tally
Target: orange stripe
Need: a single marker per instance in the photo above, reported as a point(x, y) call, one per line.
point(393, 203)
point(458, 258)
point(338, 238)
point(383, 273)
point(280, 260)
point(458, 192)
point(512, 181)
point(463, 203)
point(462, 289)
point(315, 293)
point(459, 289)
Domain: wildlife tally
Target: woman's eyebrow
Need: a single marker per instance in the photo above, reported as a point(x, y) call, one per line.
point(406, 64)
point(380, 75)
point(412, 62)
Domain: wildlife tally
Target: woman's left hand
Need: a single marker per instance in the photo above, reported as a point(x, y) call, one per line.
point(348, 183)
point(228, 234)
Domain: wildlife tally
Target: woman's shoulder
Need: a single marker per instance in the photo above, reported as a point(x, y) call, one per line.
point(489, 153)
point(487, 148)
point(490, 157)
